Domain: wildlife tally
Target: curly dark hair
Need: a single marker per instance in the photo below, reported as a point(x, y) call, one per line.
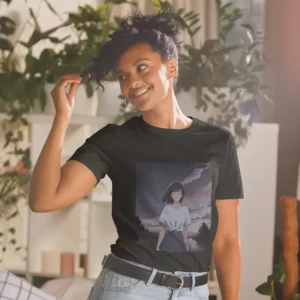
point(160, 31)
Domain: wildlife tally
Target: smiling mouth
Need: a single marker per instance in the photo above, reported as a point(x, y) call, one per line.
point(140, 92)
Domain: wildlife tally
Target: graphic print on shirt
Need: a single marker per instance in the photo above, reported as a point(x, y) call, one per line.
point(173, 205)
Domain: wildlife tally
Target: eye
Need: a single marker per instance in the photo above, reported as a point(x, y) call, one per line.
point(141, 67)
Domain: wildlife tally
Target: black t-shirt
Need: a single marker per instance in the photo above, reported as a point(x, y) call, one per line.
point(165, 186)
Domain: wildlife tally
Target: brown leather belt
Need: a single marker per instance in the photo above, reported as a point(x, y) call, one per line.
point(174, 282)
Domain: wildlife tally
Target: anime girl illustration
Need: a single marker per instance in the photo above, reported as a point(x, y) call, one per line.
point(174, 220)
point(173, 206)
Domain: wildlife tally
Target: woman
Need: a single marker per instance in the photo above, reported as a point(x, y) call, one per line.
point(143, 53)
point(174, 219)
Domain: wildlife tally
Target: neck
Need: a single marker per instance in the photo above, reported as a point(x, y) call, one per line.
point(167, 114)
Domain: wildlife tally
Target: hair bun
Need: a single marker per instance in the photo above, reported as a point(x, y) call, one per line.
point(162, 22)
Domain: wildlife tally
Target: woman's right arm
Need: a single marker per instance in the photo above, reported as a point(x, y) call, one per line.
point(53, 187)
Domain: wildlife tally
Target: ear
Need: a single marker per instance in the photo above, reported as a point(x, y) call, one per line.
point(172, 68)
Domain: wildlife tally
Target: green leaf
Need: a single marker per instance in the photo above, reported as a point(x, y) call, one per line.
point(207, 98)
point(116, 1)
point(20, 135)
point(51, 7)
point(258, 68)
point(56, 40)
point(43, 97)
point(37, 26)
point(7, 26)
point(9, 135)
point(27, 162)
point(13, 215)
point(12, 230)
point(280, 274)
point(157, 4)
point(265, 289)
point(180, 11)
point(89, 90)
point(24, 121)
point(249, 27)
point(6, 45)
point(227, 5)
point(195, 30)
point(7, 1)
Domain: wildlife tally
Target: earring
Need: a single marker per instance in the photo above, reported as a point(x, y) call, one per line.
point(128, 106)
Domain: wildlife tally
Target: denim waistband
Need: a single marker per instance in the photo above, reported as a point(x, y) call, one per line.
point(154, 271)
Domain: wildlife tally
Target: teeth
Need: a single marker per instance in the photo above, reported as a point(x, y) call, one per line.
point(140, 92)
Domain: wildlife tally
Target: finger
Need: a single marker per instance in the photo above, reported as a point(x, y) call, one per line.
point(77, 75)
point(73, 89)
point(65, 82)
point(69, 76)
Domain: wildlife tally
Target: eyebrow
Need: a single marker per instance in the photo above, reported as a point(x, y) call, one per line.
point(135, 63)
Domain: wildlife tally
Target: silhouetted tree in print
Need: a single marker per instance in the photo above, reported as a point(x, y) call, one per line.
point(144, 233)
point(203, 236)
point(140, 224)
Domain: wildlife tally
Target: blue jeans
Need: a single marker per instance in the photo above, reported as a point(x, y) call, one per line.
point(112, 286)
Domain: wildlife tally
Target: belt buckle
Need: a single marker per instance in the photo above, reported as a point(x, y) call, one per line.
point(180, 284)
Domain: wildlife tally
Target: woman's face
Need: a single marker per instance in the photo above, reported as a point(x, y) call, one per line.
point(144, 79)
point(176, 196)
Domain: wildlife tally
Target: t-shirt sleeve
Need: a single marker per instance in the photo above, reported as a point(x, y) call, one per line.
point(187, 217)
point(162, 218)
point(95, 154)
point(230, 182)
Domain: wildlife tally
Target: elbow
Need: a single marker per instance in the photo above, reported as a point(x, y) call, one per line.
point(227, 244)
point(34, 207)
point(38, 206)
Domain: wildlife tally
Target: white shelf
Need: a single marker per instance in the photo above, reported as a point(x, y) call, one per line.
point(104, 199)
point(213, 287)
point(17, 271)
point(75, 228)
point(103, 233)
point(41, 274)
point(75, 119)
point(56, 231)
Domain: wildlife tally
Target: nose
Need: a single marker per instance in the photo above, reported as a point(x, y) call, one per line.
point(134, 81)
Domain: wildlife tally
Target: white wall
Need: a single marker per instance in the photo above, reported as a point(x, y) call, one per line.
point(258, 161)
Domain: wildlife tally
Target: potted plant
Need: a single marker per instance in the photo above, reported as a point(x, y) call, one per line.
point(91, 26)
point(15, 163)
point(275, 280)
point(31, 75)
point(220, 85)
point(39, 74)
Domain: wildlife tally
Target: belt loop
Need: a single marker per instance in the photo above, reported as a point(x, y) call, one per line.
point(105, 259)
point(151, 277)
point(193, 281)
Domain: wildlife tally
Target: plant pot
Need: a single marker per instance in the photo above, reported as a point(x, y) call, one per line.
point(109, 101)
point(84, 106)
